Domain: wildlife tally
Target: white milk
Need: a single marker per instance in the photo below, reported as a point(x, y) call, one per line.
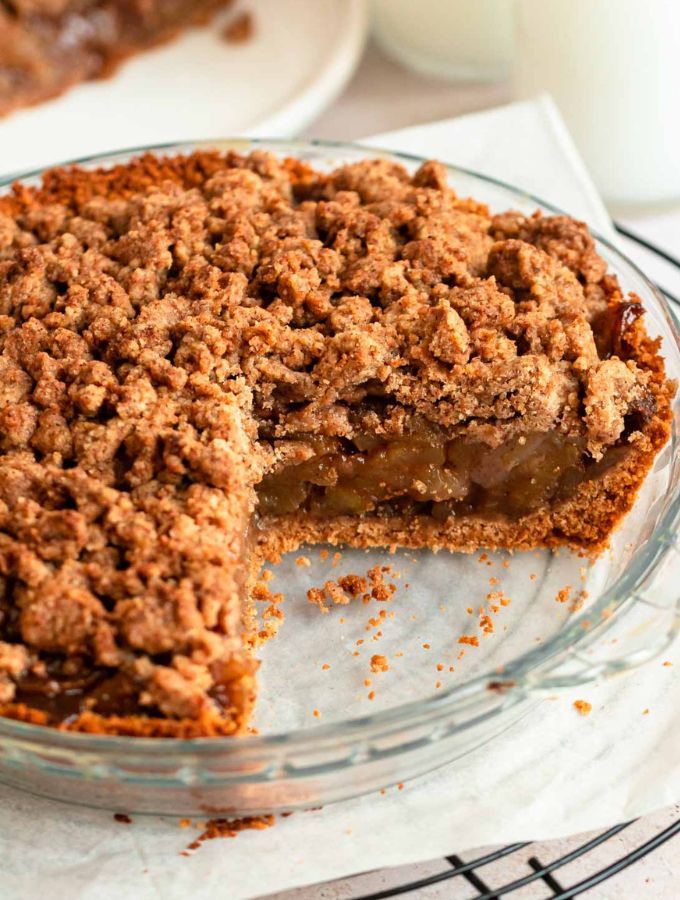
point(613, 66)
point(457, 39)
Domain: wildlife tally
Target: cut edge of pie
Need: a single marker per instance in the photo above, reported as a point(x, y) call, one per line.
point(210, 360)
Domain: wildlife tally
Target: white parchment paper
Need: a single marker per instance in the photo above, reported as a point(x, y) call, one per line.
point(551, 774)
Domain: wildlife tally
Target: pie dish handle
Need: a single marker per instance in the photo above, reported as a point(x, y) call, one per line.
point(647, 626)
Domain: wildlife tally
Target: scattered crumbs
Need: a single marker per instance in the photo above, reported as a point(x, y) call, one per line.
point(325, 667)
point(371, 695)
point(583, 573)
point(318, 596)
point(563, 594)
point(316, 713)
point(337, 556)
point(262, 592)
point(367, 682)
point(486, 623)
point(533, 576)
point(303, 562)
point(461, 654)
point(585, 624)
point(228, 828)
point(184, 823)
point(440, 667)
point(359, 642)
point(399, 653)
point(426, 646)
point(356, 653)
point(452, 668)
point(379, 589)
point(323, 554)
point(341, 620)
point(383, 791)
point(470, 639)
point(336, 593)
point(667, 662)
point(505, 601)
point(123, 818)
point(482, 557)
point(469, 610)
point(583, 707)
point(240, 29)
point(493, 581)
point(400, 786)
point(267, 575)
point(579, 600)
point(414, 618)
point(379, 663)
point(437, 684)
point(645, 712)
point(505, 564)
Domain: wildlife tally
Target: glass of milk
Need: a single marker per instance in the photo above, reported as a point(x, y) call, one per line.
point(455, 39)
point(613, 66)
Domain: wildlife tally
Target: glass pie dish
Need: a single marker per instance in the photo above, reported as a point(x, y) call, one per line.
point(473, 641)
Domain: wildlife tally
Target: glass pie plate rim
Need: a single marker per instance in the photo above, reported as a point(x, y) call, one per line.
point(345, 744)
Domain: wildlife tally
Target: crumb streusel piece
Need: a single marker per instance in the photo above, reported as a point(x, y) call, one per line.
point(207, 360)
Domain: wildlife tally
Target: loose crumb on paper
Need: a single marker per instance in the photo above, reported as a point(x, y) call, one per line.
point(583, 707)
point(379, 663)
point(564, 594)
point(229, 828)
point(470, 639)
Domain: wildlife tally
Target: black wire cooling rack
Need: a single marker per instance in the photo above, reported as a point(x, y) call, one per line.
point(544, 875)
point(553, 876)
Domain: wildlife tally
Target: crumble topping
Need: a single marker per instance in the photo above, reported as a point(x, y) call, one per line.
point(173, 330)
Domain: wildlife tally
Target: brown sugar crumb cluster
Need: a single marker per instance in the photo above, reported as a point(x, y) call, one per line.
point(208, 360)
point(229, 828)
point(351, 587)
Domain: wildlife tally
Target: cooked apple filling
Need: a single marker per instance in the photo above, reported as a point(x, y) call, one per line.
point(430, 475)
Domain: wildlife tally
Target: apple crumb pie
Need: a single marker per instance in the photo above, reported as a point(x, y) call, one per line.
point(207, 360)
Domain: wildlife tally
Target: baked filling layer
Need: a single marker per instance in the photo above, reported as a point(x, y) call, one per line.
point(48, 45)
point(430, 475)
point(207, 360)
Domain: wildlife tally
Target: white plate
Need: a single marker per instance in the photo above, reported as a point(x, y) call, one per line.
point(298, 60)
